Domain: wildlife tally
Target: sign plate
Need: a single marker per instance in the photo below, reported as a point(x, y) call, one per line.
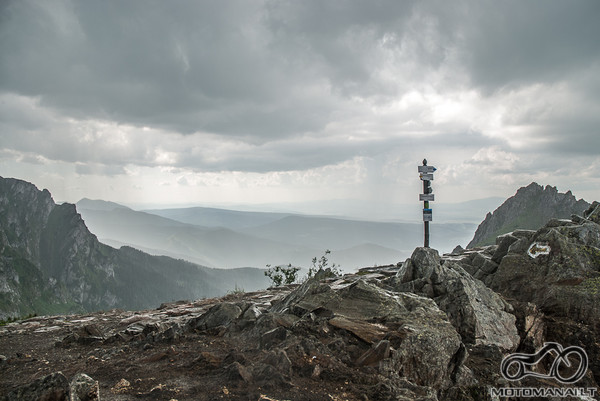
point(426, 176)
point(427, 215)
point(426, 169)
point(426, 197)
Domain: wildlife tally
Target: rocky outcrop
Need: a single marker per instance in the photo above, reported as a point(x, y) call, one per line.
point(480, 315)
point(556, 267)
point(530, 208)
point(401, 327)
point(549, 275)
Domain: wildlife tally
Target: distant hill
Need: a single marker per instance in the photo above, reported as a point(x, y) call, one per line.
point(229, 238)
point(95, 204)
point(51, 263)
point(211, 246)
point(344, 234)
point(530, 208)
point(214, 217)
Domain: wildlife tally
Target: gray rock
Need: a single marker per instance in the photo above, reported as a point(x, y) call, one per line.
point(593, 212)
point(479, 314)
point(424, 330)
point(84, 388)
point(559, 280)
point(268, 376)
point(457, 250)
point(375, 354)
point(53, 387)
point(273, 337)
point(237, 372)
point(421, 264)
point(280, 361)
point(503, 242)
point(219, 315)
point(400, 389)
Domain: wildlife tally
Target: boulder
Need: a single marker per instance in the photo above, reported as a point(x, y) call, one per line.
point(221, 314)
point(593, 212)
point(84, 388)
point(54, 387)
point(272, 337)
point(368, 311)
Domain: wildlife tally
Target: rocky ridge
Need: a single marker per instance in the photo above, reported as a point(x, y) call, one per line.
point(430, 328)
point(530, 208)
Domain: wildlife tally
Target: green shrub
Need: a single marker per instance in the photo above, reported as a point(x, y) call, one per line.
point(282, 274)
point(321, 269)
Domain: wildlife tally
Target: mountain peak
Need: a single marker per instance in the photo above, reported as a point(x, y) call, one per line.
point(97, 204)
point(530, 208)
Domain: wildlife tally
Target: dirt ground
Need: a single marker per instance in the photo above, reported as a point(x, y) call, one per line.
point(194, 367)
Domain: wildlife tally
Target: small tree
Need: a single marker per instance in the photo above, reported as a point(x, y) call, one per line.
point(282, 274)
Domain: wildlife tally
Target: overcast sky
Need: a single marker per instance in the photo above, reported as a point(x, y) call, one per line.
point(204, 102)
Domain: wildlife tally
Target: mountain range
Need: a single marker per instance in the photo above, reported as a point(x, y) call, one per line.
point(51, 263)
point(228, 238)
point(51, 260)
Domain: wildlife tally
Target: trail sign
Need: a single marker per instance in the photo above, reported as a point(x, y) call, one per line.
point(426, 197)
point(427, 169)
point(426, 175)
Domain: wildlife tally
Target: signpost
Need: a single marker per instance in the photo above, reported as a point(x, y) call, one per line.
point(426, 175)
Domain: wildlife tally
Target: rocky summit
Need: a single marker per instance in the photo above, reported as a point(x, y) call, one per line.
point(434, 327)
point(530, 208)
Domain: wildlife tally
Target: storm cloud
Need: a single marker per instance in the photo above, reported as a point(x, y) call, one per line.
point(301, 89)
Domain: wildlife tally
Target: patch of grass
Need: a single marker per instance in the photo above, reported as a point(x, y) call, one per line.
point(236, 291)
point(591, 285)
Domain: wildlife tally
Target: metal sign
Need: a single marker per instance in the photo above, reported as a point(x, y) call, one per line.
point(426, 197)
point(426, 175)
point(427, 169)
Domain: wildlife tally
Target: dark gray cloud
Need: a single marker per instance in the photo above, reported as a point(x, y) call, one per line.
point(200, 66)
point(513, 43)
point(242, 68)
point(265, 86)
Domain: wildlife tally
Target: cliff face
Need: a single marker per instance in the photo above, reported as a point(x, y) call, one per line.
point(51, 263)
point(530, 208)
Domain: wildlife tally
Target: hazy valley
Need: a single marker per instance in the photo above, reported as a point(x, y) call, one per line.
point(227, 238)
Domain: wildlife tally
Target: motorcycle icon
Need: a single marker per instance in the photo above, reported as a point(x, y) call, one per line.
point(521, 361)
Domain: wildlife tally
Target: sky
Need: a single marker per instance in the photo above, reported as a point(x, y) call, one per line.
point(255, 102)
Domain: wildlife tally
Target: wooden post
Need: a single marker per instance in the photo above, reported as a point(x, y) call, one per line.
point(426, 190)
point(426, 175)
